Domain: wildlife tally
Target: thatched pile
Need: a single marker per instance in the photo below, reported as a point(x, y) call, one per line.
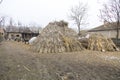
point(100, 43)
point(57, 37)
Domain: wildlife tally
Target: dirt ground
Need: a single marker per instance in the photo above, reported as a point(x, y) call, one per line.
point(17, 62)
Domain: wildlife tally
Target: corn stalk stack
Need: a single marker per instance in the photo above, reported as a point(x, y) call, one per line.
point(56, 37)
point(99, 42)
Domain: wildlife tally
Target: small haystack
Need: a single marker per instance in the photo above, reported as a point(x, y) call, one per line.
point(100, 43)
point(57, 37)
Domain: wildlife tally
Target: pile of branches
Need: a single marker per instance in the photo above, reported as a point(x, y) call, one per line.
point(98, 42)
point(56, 37)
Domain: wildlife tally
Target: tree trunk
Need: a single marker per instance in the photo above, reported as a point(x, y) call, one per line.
point(1, 1)
point(117, 36)
point(79, 30)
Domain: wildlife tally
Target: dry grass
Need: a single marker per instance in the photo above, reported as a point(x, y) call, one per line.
point(18, 63)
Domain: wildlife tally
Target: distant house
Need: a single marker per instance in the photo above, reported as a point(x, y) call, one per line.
point(20, 34)
point(14, 35)
point(2, 32)
point(108, 30)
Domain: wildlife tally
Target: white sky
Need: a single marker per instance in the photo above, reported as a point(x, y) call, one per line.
point(42, 12)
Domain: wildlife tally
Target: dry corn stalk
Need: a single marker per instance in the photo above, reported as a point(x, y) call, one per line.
point(100, 43)
point(56, 37)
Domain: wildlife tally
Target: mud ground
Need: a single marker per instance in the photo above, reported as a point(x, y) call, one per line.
point(18, 62)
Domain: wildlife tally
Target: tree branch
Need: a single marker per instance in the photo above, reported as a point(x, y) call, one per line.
point(1, 1)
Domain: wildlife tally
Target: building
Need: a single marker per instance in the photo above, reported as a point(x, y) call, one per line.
point(2, 32)
point(20, 34)
point(108, 30)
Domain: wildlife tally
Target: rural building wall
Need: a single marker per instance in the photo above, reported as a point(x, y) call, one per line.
point(108, 34)
point(2, 32)
point(13, 36)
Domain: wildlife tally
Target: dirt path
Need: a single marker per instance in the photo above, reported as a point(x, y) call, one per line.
point(18, 63)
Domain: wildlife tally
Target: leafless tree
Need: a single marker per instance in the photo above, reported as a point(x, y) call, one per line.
point(19, 24)
point(2, 21)
point(111, 13)
point(78, 14)
point(34, 27)
point(10, 26)
point(1, 1)
point(11, 22)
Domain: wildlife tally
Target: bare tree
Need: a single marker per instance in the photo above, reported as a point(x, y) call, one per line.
point(11, 22)
point(78, 14)
point(2, 21)
point(111, 13)
point(10, 26)
point(19, 24)
point(1, 1)
point(34, 27)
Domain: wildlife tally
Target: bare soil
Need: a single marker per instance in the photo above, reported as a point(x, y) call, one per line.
point(17, 62)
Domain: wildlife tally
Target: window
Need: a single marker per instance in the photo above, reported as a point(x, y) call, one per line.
point(17, 35)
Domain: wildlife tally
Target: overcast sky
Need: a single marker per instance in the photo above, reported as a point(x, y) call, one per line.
point(42, 12)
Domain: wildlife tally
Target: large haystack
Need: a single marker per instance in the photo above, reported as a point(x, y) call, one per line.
point(57, 37)
point(100, 43)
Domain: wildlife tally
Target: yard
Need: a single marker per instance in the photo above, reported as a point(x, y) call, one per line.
point(18, 62)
